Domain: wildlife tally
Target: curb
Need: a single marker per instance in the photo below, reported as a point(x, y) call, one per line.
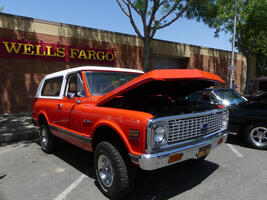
point(15, 137)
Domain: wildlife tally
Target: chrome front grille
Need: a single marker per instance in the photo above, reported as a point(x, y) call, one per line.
point(191, 127)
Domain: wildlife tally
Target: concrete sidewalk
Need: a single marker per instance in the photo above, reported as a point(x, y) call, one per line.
point(16, 127)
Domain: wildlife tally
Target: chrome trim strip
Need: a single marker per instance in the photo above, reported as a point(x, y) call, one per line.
point(149, 138)
point(189, 115)
point(71, 134)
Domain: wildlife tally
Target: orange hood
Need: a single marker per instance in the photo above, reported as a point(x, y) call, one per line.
point(173, 82)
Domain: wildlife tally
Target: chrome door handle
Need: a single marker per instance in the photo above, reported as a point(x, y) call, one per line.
point(59, 106)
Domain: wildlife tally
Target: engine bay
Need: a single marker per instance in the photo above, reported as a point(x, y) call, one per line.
point(159, 105)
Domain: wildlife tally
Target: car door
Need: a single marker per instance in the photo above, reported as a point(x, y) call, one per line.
point(74, 94)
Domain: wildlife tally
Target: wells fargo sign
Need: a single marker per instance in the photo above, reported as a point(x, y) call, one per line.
point(45, 51)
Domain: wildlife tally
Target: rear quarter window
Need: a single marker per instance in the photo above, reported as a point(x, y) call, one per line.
point(52, 87)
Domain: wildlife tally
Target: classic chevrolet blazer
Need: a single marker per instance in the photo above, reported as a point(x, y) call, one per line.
point(129, 119)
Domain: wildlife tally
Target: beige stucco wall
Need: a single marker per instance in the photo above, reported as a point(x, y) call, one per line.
point(20, 77)
point(159, 47)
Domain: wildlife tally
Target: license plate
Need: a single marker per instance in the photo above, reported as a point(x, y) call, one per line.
point(204, 151)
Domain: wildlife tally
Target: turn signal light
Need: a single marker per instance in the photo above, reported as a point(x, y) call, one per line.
point(220, 106)
point(175, 157)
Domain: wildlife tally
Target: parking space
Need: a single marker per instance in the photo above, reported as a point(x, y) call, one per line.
point(28, 173)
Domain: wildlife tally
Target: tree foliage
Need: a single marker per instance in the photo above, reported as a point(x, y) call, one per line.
point(251, 29)
point(154, 15)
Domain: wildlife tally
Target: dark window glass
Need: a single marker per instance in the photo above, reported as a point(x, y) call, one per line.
point(202, 96)
point(52, 87)
point(229, 95)
point(76, 86)
point(101, 83)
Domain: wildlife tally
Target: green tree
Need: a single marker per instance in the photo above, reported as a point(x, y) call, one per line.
point(154, 15)
point(251, 27)
point(261, 64)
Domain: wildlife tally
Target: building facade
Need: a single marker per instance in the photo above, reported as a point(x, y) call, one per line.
point(31, 48)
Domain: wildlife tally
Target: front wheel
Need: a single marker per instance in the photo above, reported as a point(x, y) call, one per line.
point(256, 136)
point(114, 172)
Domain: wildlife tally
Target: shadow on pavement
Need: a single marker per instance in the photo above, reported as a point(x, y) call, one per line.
point(76, 157)
point(17, 122)
point(158, 184)
point(236, 140)
point(171, 181)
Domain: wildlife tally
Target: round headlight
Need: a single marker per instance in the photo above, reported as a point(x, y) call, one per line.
point(159, 134)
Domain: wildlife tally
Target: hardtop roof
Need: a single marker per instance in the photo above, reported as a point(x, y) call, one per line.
point(91, 68)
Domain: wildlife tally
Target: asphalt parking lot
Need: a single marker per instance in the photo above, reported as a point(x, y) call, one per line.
point(232, 171)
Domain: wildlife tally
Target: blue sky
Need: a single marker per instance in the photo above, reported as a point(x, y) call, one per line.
point(106, 15)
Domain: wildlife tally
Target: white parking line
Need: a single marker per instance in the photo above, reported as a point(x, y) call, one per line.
point(70, 188)
point(237, 153)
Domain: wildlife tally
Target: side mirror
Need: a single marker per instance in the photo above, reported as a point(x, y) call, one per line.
point(71, 95)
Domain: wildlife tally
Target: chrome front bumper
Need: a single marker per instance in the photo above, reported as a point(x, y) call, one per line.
point(190, 151)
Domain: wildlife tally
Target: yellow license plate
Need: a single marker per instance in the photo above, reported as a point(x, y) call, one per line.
point(204, 151)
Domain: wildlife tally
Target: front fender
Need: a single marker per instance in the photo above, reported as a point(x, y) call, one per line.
point(117, 129)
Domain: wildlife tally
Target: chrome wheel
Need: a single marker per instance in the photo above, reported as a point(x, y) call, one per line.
point(105, 170)
point(43, 137)
point(258, 136)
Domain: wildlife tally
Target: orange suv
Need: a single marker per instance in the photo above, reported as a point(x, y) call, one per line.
point(129, 119)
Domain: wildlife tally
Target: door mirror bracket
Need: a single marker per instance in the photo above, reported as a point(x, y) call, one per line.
point(71, 95)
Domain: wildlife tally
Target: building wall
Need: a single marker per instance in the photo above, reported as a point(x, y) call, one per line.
point(20, 77)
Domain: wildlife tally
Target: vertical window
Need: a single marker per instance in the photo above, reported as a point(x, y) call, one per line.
point(76, 86)
point(52, 87)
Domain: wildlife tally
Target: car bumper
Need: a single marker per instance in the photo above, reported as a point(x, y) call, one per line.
point(191, 151)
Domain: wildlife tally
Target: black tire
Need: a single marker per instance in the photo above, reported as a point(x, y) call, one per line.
point(114, 172)
point(256, 135)
point(47, 140)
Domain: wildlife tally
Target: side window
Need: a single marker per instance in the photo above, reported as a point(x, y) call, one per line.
point(52, 87)
point(76, 86)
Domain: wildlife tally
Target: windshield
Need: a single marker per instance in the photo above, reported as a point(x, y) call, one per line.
point(229, 96)
point(101, 83)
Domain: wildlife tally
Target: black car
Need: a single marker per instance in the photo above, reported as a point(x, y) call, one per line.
point(224, 97)
point(249, 119)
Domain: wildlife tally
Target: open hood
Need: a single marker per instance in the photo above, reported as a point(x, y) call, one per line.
point(171, 82)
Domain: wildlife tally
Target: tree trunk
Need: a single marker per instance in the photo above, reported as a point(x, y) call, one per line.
point(146, 55)
point(247, 75)
point(251, 71)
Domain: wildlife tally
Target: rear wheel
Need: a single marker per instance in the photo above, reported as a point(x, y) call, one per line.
point(114, 172)
point(256, 136)
point(47, 140)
